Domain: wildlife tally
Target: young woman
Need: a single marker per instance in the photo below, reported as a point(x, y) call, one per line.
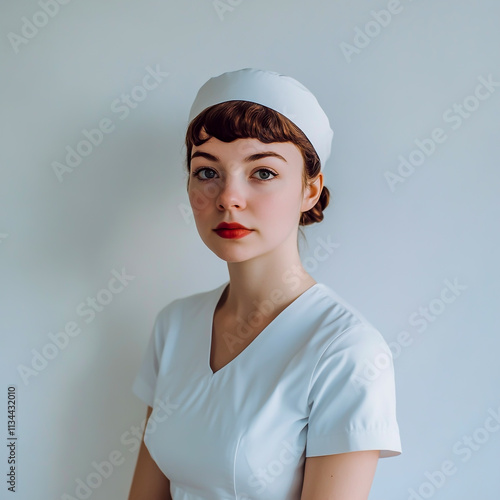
point(270, 386)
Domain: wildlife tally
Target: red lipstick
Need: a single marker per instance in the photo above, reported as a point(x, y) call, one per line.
point(231, 230)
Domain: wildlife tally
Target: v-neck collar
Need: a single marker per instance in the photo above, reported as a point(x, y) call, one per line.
point(217, 294)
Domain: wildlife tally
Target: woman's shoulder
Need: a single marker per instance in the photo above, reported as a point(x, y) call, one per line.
point(335, 305)
point(343, 331)
point(333, 317)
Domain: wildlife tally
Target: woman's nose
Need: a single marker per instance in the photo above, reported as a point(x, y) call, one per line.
point(231, 194)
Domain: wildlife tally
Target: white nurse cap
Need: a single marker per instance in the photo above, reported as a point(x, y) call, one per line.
point(279, 92)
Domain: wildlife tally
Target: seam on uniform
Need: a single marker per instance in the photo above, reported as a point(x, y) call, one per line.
point(361, 323)
point(234, 466)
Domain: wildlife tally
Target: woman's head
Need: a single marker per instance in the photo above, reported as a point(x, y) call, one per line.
point(232, 120)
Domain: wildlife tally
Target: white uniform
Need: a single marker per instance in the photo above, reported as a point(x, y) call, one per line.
point(318, 380)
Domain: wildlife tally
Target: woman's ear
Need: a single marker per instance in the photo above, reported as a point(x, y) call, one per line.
point(312, 193)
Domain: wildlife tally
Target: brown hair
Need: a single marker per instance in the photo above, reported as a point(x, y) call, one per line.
point(232, 120)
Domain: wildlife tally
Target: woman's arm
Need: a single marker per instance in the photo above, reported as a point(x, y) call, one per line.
point(149, 482)
point(344, 476)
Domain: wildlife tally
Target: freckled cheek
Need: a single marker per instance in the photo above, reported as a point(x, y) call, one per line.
point(275, 209)
point(279, 202)
point(201, 199)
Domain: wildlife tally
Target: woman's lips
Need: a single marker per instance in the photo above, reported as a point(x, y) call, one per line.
point(232, 233)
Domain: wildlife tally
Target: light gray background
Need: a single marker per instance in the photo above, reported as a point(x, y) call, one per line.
point(122, 207)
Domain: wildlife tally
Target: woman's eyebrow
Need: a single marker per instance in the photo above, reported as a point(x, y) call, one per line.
point(254, 157)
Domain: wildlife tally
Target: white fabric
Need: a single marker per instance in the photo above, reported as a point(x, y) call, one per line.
point(318, 380)
point(279, 92)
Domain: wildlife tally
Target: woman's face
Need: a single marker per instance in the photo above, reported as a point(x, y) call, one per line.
point(255, 184)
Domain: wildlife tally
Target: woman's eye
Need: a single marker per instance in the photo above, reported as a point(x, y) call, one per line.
point(267, 171)
point(210, 174)
point(197, 173)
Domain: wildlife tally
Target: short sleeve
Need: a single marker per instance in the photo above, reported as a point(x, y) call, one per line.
point(352, 396)
point(145, 381)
